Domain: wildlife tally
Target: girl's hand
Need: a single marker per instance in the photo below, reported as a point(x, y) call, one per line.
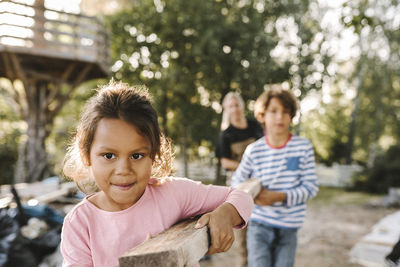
point(220, 222)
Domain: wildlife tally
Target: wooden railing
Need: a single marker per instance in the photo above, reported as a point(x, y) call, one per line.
point(48, 32)
point(181, 245)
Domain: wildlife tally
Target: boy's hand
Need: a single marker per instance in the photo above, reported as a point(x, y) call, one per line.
point(268, 197)
point(220, 222)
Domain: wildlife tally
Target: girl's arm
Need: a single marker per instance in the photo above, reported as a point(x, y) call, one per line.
point(220, 222)
point(233, 213)
point(223, 209)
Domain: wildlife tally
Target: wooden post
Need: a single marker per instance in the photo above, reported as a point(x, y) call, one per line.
point(179, 246)
point(39, 18)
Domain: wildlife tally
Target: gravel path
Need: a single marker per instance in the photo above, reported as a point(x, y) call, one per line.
point(328, 234)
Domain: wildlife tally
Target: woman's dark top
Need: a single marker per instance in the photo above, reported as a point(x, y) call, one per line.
point(233, 141)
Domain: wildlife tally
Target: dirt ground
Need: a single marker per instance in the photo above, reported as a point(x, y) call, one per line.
point(333, 224)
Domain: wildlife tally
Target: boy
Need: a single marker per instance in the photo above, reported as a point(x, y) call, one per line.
point(285, 165)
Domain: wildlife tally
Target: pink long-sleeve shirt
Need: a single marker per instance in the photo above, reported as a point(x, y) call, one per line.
point(94, 237)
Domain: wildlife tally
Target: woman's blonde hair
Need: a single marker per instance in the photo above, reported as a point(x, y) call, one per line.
point(225, 102)
point(131, 104)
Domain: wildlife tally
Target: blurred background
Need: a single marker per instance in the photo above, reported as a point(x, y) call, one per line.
point(340, 58)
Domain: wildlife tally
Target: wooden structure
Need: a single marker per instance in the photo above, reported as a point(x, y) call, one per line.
point(51, 52)
point(180, 246)
point(49, 44)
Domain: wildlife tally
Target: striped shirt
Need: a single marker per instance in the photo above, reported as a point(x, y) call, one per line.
point(289, 169)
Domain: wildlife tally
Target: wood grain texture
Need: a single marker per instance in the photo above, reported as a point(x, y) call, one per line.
point(180, 245)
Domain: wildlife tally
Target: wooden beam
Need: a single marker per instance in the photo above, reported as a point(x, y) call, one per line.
point(179, 246)
point(65, 189)
point(8, 67)
point(20, 73)
point(42, 76)
point(251, 186)
point(36, 189)
point(67, 73)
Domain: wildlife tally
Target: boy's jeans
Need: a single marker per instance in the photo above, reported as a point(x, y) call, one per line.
point(270, 247)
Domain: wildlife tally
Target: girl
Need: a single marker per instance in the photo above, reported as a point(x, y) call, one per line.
point(118, 143)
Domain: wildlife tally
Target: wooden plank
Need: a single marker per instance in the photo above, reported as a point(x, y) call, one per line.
point(53, 10)
point(75, 34)
point(179, 246)
point(91, 23)
point(63, 53)
point(65, 189)
point(51, 44)
point(251, 186)
point(38, 192)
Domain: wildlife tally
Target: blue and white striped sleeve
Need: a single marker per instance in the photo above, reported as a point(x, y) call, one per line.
point(308, 184)
point(245, 168)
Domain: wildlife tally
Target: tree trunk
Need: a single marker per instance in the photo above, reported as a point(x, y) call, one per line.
point(298, 127)
point(164, 111)
point(38, 123)
point(373, 150)
point(350, 141)
point(220, 179)
point(20, 170)
point(185, 153)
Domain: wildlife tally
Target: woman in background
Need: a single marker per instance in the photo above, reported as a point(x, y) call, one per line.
point(237, 132)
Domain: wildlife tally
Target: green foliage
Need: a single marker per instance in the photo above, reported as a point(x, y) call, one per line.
point(325, 126)
point(385, 173)
point(191, 53)
point(340, 196)
point(8, 155)
point(66, 121)
point(376, 70)
point(6, 112)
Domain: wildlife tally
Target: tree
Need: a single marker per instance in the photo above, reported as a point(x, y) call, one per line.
point(375, 23)
point(324, 125)
point(191, 53)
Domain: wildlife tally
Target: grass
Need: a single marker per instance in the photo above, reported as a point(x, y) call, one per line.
point(334, 195)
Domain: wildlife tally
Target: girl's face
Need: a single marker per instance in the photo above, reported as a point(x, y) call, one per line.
point(277, 118)
point(120, 163)
point(235, 109)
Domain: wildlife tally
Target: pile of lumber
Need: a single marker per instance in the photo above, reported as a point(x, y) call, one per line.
point(38, 192)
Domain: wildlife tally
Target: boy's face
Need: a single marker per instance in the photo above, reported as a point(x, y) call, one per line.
point(277, 118)
point(120, 164)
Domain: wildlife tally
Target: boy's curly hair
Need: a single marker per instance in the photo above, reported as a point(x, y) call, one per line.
point(286, 97)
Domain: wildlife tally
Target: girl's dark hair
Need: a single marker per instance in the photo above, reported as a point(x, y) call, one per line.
point(131, 104)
